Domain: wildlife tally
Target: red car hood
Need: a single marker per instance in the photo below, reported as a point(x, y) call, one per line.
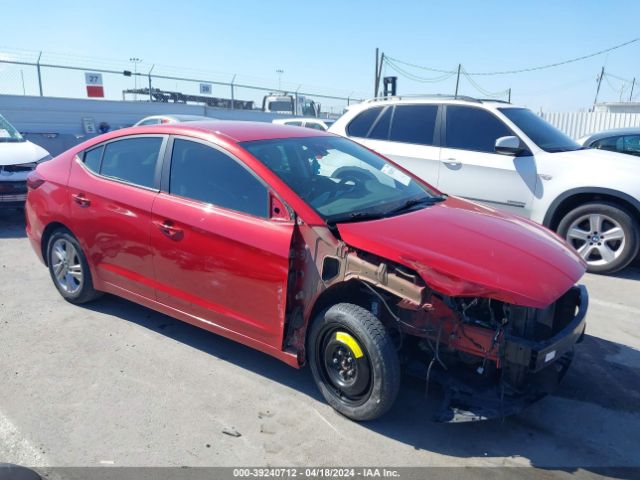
point(464, 249)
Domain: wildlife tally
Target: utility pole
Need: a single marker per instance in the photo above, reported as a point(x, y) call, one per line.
point(233, 96)
point(24, 92)
point(509, 95)
point(458, 79)
point(375, 76)
point(149, 75)
point(632, 85)
point(380, 71)
point(39, 74)
point(135, 61)
point(595, 100)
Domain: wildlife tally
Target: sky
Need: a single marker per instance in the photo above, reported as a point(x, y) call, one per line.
point(329, 47)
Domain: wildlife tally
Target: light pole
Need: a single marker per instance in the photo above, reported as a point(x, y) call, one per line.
point(279, 71)
point(135, 61)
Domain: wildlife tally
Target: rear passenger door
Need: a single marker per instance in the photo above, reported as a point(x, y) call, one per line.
point(112, 189)
point(405, 133)
point(471, 168)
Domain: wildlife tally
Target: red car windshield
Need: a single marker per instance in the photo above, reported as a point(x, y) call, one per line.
point(340, 179)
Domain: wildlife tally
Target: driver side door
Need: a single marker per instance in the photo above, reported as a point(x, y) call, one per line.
point(218, 253)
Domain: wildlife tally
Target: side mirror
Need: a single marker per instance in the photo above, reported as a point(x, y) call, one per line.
point(509, 146)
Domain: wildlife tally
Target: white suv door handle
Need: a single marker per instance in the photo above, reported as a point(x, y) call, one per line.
point(452, 162)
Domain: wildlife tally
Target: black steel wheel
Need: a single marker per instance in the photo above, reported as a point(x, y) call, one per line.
point(353, 361)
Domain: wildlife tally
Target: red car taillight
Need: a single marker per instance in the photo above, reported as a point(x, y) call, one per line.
point(34, 180)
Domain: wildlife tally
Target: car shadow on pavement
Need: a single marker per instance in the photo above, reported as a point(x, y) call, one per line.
point(12, 224)
point(591, 421)
point(632, 272)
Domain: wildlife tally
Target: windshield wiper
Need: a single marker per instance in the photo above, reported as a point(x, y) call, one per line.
point(409, 204)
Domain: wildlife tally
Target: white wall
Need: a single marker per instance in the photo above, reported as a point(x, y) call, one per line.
point(36, 116)
point(64, 115)
point(579, 124)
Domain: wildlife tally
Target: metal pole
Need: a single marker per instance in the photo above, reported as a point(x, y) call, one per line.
point(595, 100)
point(22, 76)
point(233, 97)
point(632, 85)
point(458, 79)
point(39, 74)
point(376, 78)
point(509, 95)
point(380, 71)
point(149, 75)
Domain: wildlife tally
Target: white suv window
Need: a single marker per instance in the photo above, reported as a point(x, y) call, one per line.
point(414, 124)
point(360, 126)
point(474, 129)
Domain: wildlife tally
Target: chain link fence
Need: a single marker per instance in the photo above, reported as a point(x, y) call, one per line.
point(58, 75)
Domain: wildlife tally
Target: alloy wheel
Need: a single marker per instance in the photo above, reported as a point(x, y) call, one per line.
point(67, 266)
point(598, 238)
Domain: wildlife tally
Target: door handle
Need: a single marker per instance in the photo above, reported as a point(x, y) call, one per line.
point(452, 162)
point(170, 230)
point(81, 200)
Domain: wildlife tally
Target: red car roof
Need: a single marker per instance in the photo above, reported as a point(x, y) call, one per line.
point(239, 131)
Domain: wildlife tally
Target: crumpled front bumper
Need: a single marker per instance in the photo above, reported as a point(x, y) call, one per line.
point(545, 363)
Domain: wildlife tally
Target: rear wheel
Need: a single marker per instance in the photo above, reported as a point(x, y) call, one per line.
point(605, 235)
point(354, 362)
point(69, 268)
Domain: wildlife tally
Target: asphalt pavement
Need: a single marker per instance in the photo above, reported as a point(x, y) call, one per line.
point(116, 384)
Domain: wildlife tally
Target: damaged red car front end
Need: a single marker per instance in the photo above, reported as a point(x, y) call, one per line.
point(496, 313)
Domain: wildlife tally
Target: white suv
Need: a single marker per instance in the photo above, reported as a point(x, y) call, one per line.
point(509, 158)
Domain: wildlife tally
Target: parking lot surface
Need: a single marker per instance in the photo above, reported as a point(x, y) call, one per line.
point(113, 383)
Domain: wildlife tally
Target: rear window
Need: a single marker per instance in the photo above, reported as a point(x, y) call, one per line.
point(92, 158)
point(414, 124)
point(360, 126)
point(132, 160)
point(380, 130)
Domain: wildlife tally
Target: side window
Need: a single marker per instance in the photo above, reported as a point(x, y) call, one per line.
point(132, 160)
point(360, 126)
point(473, 129)
point(294, 124)
point(613, 144)
point(414, 124)
point(380, 130)
point(632, 144)
point(205, 174)
point(151, 121)
point(92, 158)
point(315, 126)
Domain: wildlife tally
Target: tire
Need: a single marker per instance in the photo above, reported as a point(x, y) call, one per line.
point(605, 235)
point(69, 269)
point(366, 386)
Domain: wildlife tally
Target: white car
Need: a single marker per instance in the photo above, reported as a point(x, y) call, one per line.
point(507, 157)
point(317, 123)
point(18, 157)
point(177, 118)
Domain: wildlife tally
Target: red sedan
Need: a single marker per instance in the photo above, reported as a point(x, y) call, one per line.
point(314, 249)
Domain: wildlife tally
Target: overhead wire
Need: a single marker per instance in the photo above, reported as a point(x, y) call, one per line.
point(414, 77)
point(522, 70)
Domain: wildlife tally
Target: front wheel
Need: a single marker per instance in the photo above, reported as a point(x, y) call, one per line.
point(354, 362)
point(604, 235)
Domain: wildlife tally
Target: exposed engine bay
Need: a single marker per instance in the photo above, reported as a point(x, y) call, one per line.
point(492, 358)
